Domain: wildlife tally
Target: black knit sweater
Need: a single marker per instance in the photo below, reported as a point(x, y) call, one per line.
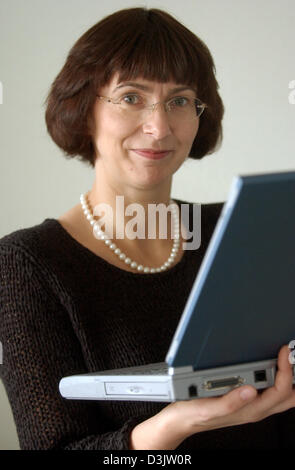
point(64, 310)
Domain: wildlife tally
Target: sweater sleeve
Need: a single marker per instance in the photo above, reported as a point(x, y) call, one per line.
point(39, 348)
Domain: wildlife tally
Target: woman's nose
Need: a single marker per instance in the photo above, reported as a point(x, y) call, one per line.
point(156, 121)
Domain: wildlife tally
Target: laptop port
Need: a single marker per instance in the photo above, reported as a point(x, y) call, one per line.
point(223, 383)
point(260, 375)
point(192, 391)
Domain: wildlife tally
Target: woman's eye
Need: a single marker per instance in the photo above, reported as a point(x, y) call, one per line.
point(132, 99)
point(180, 101)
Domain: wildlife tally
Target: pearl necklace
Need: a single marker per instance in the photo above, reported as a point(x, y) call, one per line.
point(122, 256)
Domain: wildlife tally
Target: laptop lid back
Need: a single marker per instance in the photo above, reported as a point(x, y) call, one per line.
point(242, 304)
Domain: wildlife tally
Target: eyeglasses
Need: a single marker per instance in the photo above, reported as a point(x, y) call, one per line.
point(178, 108)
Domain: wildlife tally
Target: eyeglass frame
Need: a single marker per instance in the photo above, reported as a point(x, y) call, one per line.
point(152, 106)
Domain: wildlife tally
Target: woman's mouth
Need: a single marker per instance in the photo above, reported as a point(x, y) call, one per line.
point(153, 155)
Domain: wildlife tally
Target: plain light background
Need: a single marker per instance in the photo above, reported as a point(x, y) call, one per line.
point(252, 44)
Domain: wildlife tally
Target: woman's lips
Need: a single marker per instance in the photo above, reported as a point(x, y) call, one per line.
point(152, 155)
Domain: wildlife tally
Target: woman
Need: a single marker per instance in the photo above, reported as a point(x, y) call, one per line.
point(75, 300)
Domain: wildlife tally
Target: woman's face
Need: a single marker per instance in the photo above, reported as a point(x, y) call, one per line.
point(116, 136)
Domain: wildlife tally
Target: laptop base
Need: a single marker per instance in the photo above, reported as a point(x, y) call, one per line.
point(176, 384)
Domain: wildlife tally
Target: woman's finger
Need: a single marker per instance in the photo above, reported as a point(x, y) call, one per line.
point(280, 394)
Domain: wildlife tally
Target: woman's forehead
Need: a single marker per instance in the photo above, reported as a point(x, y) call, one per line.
point(145, 84)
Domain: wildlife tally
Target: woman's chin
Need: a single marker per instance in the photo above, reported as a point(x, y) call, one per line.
point(150, 182)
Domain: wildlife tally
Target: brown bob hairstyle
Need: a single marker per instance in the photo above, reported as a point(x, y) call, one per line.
point(134, 42)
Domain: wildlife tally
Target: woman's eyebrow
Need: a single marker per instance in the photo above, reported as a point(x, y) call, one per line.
point(146, 88)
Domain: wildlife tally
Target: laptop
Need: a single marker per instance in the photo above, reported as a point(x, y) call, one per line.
point(240, 311)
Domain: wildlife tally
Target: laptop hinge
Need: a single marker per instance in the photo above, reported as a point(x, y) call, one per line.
point(180, 370)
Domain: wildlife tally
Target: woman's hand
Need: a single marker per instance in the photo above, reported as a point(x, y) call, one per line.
point(177, 421)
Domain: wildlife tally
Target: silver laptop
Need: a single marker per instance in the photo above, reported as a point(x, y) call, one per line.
point(240, 311)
